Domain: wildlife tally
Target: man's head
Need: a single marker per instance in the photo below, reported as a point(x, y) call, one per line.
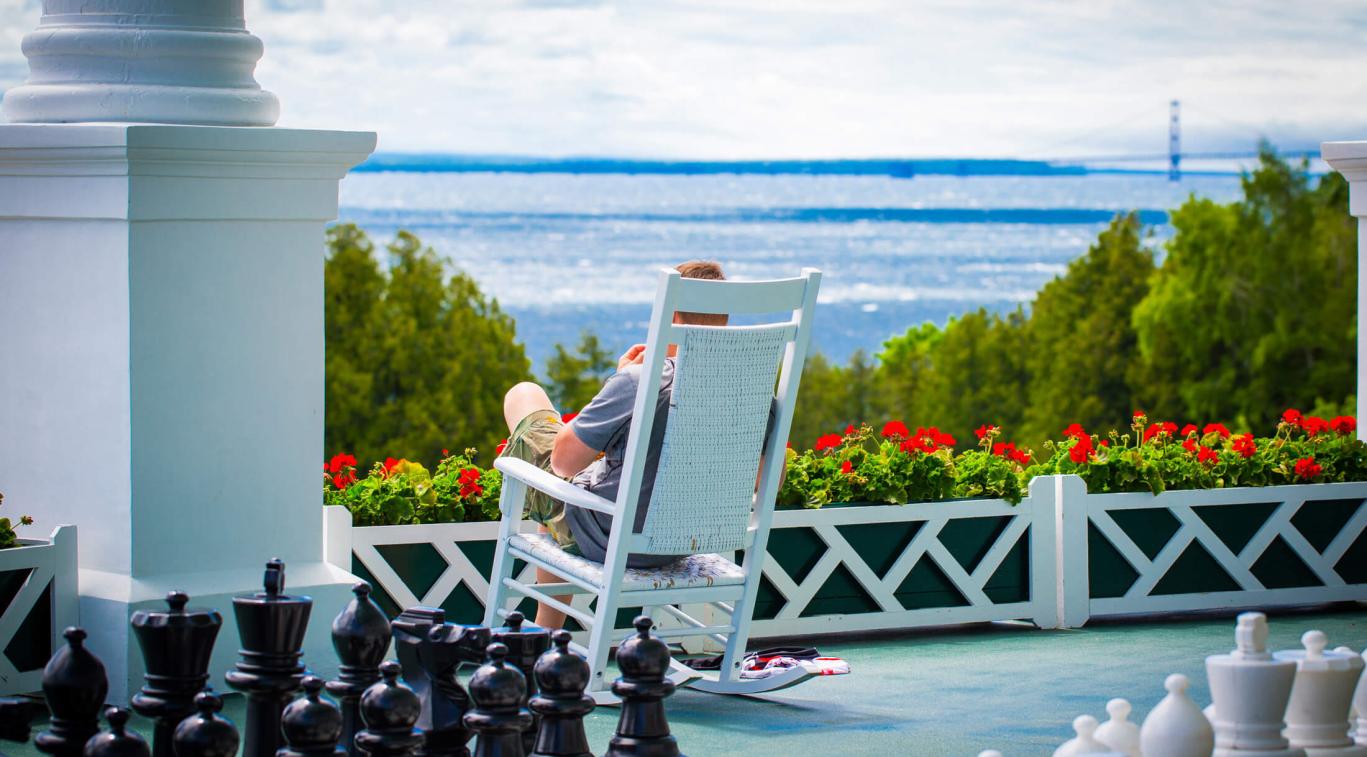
point(701, 269)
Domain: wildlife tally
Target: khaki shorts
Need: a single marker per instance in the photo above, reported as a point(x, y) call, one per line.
point(532, 442)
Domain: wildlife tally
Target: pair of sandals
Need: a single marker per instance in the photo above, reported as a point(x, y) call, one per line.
point(775, 660)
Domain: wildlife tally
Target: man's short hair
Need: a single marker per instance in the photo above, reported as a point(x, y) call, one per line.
point(702, 269)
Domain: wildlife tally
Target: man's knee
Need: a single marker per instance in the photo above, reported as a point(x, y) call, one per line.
point(524, 391)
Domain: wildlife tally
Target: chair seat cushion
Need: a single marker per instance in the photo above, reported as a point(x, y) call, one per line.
point(684, 573)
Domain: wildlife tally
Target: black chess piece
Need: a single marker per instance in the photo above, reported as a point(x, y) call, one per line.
point(562, 704)
point(498, 690)
point(361, 635)
point(389, 710)
point(311, 724)
point(15, 715)
point(526, 643)
point(206, 733)
point(118, 741)
point(642, 730)
point(431, 652)
point(176, 645)
point(75, 685)
point(272, 626)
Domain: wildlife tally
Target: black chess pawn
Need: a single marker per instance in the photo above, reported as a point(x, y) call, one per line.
point(498, 690)
point(360, 634)
point(206, 733)
point(389, 710)
point(642, 730)
point(74, 685)
point(15, 715)
point(311, 724)
point(526, 643)
point(272, 626)
point(118, 741)
point(562, 703)
point(431, 652)
point(176, 645)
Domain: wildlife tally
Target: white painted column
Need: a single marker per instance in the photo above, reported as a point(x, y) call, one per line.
point(161, 316)
point(1350, 159)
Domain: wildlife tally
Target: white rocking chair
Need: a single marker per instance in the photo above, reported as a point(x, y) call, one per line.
point(705, 500)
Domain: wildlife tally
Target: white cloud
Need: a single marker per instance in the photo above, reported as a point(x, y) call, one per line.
point(745, 78)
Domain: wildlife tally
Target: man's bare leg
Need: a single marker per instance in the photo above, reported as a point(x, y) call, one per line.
point(521, 400)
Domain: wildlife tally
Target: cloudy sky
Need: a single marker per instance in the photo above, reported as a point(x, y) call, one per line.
point(800, 78)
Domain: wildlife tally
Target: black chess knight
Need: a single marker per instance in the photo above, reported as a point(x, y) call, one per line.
point(642, 730)
point(272, 626)
point(176, 645)
point(360, 635)
point(562, 704)
point(431, 652)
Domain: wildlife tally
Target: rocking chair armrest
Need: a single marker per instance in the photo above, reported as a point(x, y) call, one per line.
point(559, 488)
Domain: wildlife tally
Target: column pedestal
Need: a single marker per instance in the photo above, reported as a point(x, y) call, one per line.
point(1350, 159)
point(161, 290)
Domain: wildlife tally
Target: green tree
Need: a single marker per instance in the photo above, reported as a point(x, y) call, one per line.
point(1254, 308)
point(1082, 346)
point(416, 361)
point(979, 375)
point(905, 371)
point(832, 397)
point(573, 378)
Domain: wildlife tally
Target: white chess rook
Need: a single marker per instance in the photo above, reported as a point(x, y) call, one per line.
point(1250, 689)
point(1176, 727)
point(1317, 715)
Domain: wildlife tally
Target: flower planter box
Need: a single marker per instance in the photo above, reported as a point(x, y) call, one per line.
point(1127, 554)
point(38, 594)
point(830, 570)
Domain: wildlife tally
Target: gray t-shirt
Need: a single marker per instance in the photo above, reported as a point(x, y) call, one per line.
point(605, 425)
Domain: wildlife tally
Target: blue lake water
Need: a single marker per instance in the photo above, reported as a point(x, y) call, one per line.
point(568, 252)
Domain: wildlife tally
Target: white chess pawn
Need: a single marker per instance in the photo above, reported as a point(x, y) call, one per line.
point(1085, 743)
point(989, 753)
point(1317, 714)
point(1250, 689)
point(1118, 733)
point(1176, 727)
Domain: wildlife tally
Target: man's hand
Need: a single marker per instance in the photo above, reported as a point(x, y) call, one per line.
point(637, 355)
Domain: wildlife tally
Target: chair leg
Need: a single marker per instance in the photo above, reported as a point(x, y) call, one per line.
point(600, 640)
point(513, 492)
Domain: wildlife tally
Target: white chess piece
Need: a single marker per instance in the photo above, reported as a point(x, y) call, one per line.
point(1176, 727)
point(1085, 743)
point(989, 753)
point(1317, 714)
point(1250, 689)
point(1360, 702)
point(1118, 733)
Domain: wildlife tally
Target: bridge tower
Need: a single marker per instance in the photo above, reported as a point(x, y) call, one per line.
point(1175, 140)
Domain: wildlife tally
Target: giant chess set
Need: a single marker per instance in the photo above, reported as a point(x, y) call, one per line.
point(1308, 702)
point(525, 698)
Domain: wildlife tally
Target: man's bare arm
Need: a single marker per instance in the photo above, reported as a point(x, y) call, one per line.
point(569, 455)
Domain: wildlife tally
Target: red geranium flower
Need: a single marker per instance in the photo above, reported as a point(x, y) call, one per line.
point(1021, 457)
point(1307, 468)
point(1292, 415)
point(846, 467)
point(1217, 428)
point(1139, 414)
point(445, 452)
point(849, 430)
point(1081, 450)
point(1207, 455)
point(339, 461)
point(984, 430)
point(1313, 425)
point(343, 480)
point(1344, 424)
point(1000, 448)
point(1190, 445)
point(829, 441)
point(944, 440)
point(896, 430)
point(501, 446)
point(1189, 429)
point(567, 417)
point(390, 464)
point(1245, 445)
point(1074, 430)
point(469, 483)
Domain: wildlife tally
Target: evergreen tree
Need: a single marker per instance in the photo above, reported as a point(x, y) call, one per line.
point(1082, 345)
point(416, 362)
point(572, 379)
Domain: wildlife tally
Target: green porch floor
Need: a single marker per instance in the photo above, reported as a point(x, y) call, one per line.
point(958, 691)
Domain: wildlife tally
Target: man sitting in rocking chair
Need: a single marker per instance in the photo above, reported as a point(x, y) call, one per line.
point(589, 450)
